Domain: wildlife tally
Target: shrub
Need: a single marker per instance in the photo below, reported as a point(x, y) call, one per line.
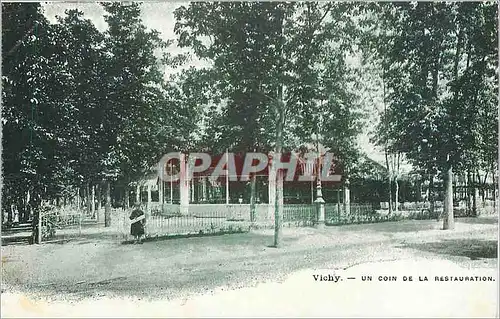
point(50, 218)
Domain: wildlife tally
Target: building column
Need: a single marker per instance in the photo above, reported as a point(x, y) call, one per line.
point(227, 187)
point(160, 191)
point(204, 189)
point(138, 194)
point(192, 189)
point(149, 198)
point(171, 191)
point(347, 198)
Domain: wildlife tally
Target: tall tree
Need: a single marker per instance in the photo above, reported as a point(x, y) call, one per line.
point(78, 46)
point(264, 52)
point(430, 119)
point(33, 126)
point(81, 105)
point(137, 103)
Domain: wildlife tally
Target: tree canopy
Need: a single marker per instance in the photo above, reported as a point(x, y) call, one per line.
point(82, 106)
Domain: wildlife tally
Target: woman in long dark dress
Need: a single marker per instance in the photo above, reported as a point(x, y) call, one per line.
point(137, 227)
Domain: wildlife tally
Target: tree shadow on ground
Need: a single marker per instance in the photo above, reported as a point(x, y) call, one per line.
point(471, 248)
point(228, 240)
point(84, 238)
point(393, 226)
point(412, 225)
point(490, 220)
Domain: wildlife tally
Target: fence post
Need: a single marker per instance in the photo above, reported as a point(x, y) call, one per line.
point(320, 212)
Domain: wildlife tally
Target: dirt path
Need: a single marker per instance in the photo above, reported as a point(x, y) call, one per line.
point(184, 267)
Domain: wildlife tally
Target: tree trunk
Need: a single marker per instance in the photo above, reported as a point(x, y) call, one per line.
point(483, 190)
point(184, 185)
point(478, 194)
point(280, 111)
point(386, 152)
point(449, 220)
point(35, 203)
point(396, 194)
point(278, 204)
point(37, 229)
point(99, 196)
point(389, 179)
point(278, 208)
point(468, 193)
point(396, 180)
point(494, 192)
point(419, 190)
point(107, 207)
point(27, 206)
point(431, 195)
point(88, 200)
point(252, 197)
point(10, 216)
point(474, 196)
point(278, 201)
point(92, 202)
point(77, 198)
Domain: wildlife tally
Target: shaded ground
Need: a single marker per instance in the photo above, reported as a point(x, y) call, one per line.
point(182, 267)
point(471, 248)
point(482, 220)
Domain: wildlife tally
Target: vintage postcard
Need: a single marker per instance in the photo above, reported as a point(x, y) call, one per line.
point(249, 159)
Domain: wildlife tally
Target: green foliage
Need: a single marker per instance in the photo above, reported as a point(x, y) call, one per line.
point(50, 220)
point(27, 138)
point(275, 62)
point(438, 61)
point(80, 105)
